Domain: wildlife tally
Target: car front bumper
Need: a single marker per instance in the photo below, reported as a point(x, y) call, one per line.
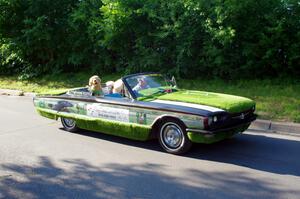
point(208, 133)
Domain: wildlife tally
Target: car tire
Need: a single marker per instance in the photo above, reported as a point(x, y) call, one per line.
point(69, 124)
point(173, 137)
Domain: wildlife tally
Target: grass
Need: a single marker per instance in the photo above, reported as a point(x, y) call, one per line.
point(232, 104)
point(51, 82)
point(277, 99)
point(123, 129)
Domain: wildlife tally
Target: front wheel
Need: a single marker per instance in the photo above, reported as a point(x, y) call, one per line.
point(173, 137)
point(69, 124)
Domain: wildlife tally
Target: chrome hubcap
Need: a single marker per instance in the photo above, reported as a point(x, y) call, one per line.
point(172, 135)
point(69, 122)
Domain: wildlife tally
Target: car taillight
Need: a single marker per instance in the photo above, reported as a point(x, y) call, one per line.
point(207, 122)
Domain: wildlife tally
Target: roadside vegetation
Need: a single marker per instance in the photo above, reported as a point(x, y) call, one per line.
point(226, 39)
point(248, 48)
point(51, 82)
point(277, 99)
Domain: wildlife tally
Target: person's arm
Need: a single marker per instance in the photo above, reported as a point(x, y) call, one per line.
point(136, 88)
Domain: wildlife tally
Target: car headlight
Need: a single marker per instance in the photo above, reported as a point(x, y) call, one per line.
point(215, 118)
point(209, 120)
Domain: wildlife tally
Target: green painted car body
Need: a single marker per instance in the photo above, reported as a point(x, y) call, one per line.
point(204, 117)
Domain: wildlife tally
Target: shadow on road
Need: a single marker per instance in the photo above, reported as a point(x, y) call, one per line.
point(83, 180)
point(275, 155)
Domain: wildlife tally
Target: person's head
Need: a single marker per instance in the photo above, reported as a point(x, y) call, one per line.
point(95, 82)
point(118, 86)
point(142, 81)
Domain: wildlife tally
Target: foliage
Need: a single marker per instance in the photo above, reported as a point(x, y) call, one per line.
point(190, 38)
point(10, 60)
point(276, 99)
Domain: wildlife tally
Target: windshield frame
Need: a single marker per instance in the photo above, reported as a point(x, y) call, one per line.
point(132, 93)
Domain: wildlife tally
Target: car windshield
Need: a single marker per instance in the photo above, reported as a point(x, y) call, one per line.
point(148, 85)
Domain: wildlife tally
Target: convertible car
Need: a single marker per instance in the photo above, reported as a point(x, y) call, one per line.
point(151, 106)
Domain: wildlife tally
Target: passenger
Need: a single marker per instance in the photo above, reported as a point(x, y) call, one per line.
point(142, 84)
point(114, 89)
point(95, 86)
point(110, 86)
point(118, 87)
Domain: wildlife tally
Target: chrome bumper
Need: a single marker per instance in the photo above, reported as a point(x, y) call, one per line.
point(213, 132)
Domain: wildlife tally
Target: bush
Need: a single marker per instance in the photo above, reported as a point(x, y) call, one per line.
point(190, 38)
point(10, 60)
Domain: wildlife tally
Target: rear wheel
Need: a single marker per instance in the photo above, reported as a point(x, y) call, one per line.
point(69, 124)
point(173, 137)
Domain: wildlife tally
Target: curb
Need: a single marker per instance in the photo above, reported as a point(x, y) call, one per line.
point(267, 126)
point(9, 92)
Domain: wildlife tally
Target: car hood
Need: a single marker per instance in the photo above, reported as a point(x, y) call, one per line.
point(229, 103)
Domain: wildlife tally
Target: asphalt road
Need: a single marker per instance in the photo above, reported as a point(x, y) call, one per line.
point(40, 160)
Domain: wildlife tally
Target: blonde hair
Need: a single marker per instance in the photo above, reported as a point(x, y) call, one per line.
point(118, 86)
point(94, 77)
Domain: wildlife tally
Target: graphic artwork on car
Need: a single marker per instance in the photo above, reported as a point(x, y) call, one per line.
point(151, 106)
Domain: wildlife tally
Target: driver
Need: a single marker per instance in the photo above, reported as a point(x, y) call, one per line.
point(142, 84)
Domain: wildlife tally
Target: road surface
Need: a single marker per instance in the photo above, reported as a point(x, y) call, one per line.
point(40, 160)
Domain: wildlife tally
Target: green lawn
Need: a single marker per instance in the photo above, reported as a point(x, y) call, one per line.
point(277, 99)
point(51, 82)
